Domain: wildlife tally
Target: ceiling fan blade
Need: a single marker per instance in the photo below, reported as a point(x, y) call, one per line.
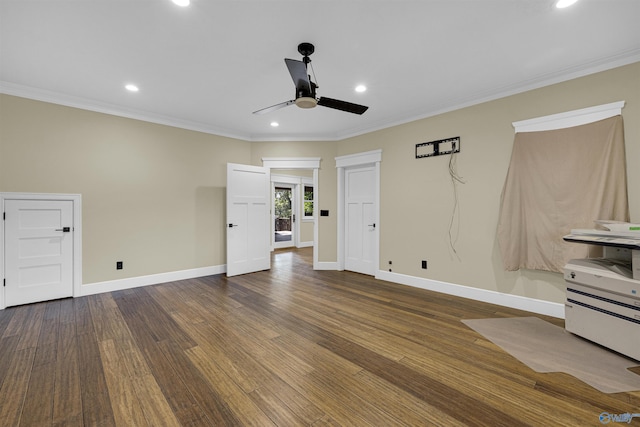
point(275, 107)
point(298, 71)
point(342, 105)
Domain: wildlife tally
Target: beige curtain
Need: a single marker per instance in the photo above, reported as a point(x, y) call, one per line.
point(559, 180)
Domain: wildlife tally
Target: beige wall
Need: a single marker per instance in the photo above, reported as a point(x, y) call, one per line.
point(417, 196)
point(154, 196)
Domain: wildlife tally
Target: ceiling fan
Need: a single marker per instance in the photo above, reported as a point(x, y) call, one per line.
point(306, 89)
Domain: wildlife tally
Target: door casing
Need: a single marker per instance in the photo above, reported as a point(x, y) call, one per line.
point(76, 199)
point(365, 159)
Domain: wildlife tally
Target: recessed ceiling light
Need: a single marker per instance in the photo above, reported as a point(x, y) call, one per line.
point(361, 88)
point(131, 87)
point(182, 3)
point(275, 124)
point(561, 4)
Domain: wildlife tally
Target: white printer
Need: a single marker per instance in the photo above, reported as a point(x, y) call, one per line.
point(603, 294)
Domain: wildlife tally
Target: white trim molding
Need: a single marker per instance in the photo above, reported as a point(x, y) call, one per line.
point(359, 159)
point(291, 162)
point(76, 199)
point(546, 308)
point(325, 266)
point(570, 118)
point(286, 179)
point(152, 279)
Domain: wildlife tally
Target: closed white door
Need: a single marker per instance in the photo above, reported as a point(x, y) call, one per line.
point(360, 220)
point(248, 219)
point(38, 250)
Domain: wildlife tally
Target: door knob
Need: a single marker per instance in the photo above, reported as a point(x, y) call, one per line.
point(372, 225)
point(64, 229)
point(233, 225)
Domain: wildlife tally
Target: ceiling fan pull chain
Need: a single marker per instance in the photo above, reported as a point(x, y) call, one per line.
point(315, 79)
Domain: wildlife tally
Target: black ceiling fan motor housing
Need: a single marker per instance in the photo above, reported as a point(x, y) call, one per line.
point(306, 49)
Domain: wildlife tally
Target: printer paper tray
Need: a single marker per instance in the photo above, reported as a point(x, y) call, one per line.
point(607, 319)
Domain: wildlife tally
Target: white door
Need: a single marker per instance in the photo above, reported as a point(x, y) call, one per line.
point(38, 250)
point(360, 220)
point(248, 219)
point(284, 215)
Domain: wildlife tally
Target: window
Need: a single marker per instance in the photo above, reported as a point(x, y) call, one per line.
point(308, 201)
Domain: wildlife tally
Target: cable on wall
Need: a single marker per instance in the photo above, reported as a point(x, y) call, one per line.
point(455, 214)
point(438, 148)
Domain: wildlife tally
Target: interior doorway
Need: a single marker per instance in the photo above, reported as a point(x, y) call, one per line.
point(292, 209)
point(308, 233)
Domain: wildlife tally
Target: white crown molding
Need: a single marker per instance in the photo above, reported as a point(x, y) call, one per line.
point(614, 61)
point(570, 118)
point(111, 109)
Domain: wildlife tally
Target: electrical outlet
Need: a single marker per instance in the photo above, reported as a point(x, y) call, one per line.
point(424, 264)
point(118, 265)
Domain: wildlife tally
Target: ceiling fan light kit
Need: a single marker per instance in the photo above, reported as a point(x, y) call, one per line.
point(306, 102)
point(306, 89)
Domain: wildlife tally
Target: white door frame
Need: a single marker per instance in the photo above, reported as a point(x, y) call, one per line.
point(302, 163)
point(76, 199)
point(368, 158)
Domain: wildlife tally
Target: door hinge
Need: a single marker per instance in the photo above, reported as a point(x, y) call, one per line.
point(4, 216)
point(4, 283)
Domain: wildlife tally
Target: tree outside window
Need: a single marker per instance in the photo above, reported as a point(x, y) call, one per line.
point(283, 202)
point(308, 201)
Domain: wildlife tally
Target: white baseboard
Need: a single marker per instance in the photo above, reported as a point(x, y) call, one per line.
point(305, 244)
point(325, 266)
point(152, 279)
point(507, 300)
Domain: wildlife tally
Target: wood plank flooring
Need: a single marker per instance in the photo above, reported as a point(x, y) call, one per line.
point(289, 347)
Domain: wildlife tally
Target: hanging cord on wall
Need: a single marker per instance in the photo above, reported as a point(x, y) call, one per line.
point(455, 215)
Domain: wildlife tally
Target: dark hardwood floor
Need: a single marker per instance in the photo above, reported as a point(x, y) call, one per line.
point(287, 347)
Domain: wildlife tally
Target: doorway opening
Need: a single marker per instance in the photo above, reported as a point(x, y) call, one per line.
point(300, 172)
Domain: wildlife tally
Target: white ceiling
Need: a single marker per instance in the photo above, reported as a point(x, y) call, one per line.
point(207, 67)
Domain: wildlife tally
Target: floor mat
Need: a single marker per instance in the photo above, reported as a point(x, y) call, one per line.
point(548, 348)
